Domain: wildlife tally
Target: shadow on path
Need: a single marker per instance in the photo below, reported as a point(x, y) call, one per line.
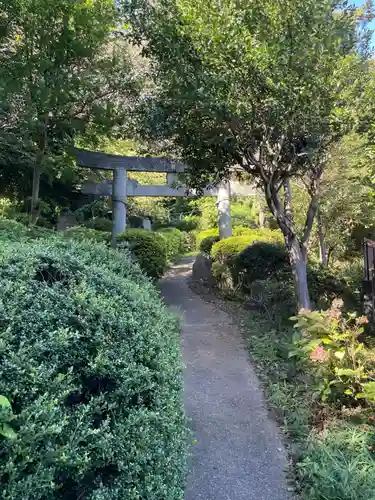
point(238, 453)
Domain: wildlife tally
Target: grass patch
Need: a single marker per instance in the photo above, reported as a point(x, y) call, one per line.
point(332, 447)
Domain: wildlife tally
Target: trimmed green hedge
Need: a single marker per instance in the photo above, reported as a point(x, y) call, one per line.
point(260, 261)
point(202, 235)
point(149, 248)
point(266, 235)
point(174, 241)
point(90, 362)
point(240, 259)
point(225, 251)
point(207, 244)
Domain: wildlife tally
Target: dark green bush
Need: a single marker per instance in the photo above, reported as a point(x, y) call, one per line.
point(189, 240)
point(12, 230)
point(200, 236)
point(90, 363)
point(261, 261)
point(207, 244)
point(188, 223)
point(225, 251)
point(81, 233)
point(174, 242)
point(100, 224)
point(325, 285)
point(149, 248)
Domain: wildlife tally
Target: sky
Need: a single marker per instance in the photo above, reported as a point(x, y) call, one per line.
point(359, 3)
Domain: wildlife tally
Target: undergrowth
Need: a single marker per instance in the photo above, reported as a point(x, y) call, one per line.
point(331, 446)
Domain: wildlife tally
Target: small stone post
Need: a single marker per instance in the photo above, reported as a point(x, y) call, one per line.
point(223, 207)
point(118, 203)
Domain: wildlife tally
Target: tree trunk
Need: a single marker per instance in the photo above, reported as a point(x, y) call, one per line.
point(35, 210)
point(298, 261)
point(261, 215)
point(297, 252)
point(322, 243)
point(297, 248)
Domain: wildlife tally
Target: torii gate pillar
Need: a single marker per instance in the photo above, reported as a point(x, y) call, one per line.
point(223, 208)
point(118, 202)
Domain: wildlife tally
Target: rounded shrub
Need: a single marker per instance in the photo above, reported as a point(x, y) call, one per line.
point(260, 261)
point(90, 364)
point(225, 251)
point(207, 243)
point(325, 286)
point(149, 249)
point(264, 234)
point(174, 242)
point(205, 234)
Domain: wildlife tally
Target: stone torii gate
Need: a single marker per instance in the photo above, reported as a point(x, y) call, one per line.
point(120, 187)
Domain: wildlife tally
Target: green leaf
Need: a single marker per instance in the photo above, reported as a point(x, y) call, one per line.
point(4, 402)
point(7, 431)
point(348, 372)
point(340, 355)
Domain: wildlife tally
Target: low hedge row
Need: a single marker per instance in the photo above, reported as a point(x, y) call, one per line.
point(266, 235)
point(152, 250)
point(90, 363)
point(225, 251)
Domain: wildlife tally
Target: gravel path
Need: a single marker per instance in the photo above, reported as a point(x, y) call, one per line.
point(238, 453)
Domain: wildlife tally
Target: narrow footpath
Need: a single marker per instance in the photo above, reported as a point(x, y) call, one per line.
point(238, 454)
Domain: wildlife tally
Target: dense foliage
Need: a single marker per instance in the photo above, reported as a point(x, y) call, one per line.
point(74, 83)
point(261, 261)
point(175, 242)
point(207, 244)
point(149, 249)
point(90, 365)
point(268, 86)
point(226, 250)
point(82, 233)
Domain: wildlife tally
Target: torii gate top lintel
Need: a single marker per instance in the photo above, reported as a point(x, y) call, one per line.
point(104, 161)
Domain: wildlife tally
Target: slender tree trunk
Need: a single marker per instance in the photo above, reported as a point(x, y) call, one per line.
point(297, 252)
point(261, 215)
point(35, 210)
point(298, 261)
point(322, 243)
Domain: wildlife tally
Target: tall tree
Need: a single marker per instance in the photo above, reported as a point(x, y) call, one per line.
point(63, 73)
point(253, 83)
